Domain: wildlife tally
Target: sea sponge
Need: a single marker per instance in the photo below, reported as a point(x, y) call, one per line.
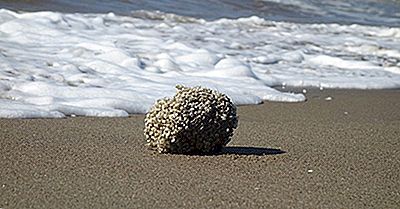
point(195, 121)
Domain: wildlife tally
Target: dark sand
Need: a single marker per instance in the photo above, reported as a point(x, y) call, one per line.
point(102, 162)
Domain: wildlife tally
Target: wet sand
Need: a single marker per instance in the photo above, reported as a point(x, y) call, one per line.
point(343, 153)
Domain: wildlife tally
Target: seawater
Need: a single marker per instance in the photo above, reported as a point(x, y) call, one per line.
point(367, 12)
point(115, 58)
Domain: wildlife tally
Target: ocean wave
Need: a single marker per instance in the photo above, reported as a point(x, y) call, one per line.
point(55, 64)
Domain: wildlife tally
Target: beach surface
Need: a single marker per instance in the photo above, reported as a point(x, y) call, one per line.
point(339, 149)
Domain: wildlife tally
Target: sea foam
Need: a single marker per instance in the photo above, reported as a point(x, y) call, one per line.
point(54, 64)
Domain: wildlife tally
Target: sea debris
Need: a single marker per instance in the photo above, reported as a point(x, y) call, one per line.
point(195, 121)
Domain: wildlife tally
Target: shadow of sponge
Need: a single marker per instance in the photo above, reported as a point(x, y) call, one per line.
point(236, 150)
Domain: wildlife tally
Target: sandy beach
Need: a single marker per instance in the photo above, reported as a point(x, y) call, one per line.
point(337, 153)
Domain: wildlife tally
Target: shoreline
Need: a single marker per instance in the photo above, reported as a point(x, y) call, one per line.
point(338, 153)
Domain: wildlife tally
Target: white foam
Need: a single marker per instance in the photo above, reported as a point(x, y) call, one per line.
point(54, 64)
point(231, 67)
